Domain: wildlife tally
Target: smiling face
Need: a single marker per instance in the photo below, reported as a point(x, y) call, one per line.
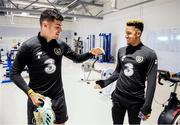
point(51, 29)
point(51, 24)
point(132, 35)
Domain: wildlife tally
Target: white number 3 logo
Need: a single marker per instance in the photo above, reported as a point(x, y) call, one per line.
point(51, 67)
point(128, 71)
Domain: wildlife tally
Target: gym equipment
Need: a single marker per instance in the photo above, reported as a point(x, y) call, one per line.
point(78, 46)
point(88, 67)
point(105, 43)
point(1, 56)
point(8, 66)
point(107, 91)
point(171, 113)
point(10, 59)
point(90, 43)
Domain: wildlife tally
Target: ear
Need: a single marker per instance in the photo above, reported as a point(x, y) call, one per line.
point(44, 24)
point(139, 33)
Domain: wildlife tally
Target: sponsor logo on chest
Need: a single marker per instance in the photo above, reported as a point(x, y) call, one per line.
point(57, 51)
point(139, 59)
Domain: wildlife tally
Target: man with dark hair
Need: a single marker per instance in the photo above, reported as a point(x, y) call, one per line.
point(136, 63)
point(42, 55)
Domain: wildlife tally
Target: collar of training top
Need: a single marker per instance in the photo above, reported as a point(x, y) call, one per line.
point(43, 40)
point(130, 49)
point(136, 47)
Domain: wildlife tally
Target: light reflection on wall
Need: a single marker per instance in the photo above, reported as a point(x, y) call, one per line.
point(166, 43)
point(178, 37)
point(162, 38)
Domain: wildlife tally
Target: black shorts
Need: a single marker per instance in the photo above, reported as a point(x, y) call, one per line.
point(59, 107)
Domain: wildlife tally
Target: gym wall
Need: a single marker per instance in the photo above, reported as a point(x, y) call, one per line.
point(21, 28)
point(159, 16)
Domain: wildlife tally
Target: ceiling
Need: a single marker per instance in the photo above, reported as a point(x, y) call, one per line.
point(70, 9)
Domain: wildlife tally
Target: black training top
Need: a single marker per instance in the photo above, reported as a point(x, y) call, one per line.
point(135, 65)
point(43, 60)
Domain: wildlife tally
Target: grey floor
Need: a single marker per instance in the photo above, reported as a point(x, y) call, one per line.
point(86, 106)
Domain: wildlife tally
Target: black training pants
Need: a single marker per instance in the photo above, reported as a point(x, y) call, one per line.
point(119, 110)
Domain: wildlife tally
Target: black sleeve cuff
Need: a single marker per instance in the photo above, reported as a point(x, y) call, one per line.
point(90, 54)
point(100, 83)
point(146, 111)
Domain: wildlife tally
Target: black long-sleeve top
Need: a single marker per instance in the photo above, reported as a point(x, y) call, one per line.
point(135, 65)
point(44, 60)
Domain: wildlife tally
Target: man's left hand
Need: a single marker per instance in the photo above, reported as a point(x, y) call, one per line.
point(97, 51)
point(143, 117)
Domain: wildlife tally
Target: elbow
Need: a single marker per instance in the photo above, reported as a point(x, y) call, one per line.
point(79, 60)
point(76, 61)
point(11, 76)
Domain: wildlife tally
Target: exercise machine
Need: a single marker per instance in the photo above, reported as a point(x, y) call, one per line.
point(171, 113)
point(1, 56)
point(88, 67)
point(105, 43)
point(8, 66)
point(78, 44)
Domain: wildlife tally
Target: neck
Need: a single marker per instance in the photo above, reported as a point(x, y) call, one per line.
point(45, 36)
point(136, 43)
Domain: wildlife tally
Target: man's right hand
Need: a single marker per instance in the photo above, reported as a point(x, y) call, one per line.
point(99, 84)
point(36, 98)
point(97, 51)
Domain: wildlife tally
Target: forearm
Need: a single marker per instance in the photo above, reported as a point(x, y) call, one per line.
point(23, 56)
point(151, 83)
point(79, 57)
point(112, 78)
point(20, 82)
point(151, 86)
point(108, 81)
point(84, 57)
point(115, 74)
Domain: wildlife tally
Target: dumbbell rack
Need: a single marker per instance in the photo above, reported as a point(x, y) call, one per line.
point(8, 66)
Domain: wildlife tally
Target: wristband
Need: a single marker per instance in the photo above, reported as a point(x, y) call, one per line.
point(30, 92)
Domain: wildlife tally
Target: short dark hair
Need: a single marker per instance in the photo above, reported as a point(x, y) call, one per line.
point(136, 23)
point(50, 15)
